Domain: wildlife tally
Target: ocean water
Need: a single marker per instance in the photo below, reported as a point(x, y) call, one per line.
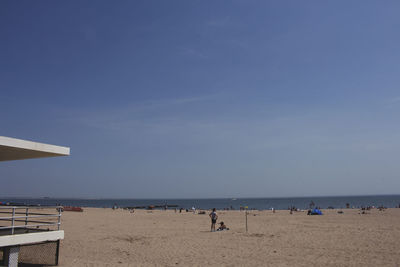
point(389, 201)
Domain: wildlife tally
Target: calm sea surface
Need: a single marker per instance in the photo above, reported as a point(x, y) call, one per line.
point(389, 201)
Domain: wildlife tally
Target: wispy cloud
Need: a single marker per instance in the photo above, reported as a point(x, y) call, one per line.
point(168, 102)
point(395, 99)
point(180, 121)
point(391, 102)
point(191, 52)
point(144, 114)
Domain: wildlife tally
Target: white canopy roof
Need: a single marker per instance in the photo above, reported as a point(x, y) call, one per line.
point(15, 149)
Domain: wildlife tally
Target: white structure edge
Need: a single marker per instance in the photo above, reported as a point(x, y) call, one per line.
point(29, 145)
point(31, 238)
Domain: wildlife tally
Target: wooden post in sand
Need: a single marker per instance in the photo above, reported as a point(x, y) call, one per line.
point(246, 218)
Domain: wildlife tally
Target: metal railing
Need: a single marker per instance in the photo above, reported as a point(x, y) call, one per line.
point(16, 218)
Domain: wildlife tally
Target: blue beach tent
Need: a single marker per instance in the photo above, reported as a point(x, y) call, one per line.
point(316, 212)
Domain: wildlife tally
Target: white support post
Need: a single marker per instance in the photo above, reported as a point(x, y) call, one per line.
point(26, 218)
point(59, 219)
point(11, 256)
point(12, 222)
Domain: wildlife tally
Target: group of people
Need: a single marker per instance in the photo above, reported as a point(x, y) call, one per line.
point(214, 217)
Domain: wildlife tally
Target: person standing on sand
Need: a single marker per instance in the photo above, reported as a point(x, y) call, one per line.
point(213, 215)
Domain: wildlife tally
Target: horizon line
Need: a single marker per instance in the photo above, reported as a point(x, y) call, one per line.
point(198, 198)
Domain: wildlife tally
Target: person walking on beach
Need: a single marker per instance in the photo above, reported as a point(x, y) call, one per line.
point(213, 215)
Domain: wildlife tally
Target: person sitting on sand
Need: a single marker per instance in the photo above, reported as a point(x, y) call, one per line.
point(222, 227)
point(213, 215)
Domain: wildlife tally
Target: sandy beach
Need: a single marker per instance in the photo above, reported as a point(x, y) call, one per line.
point(106, 237)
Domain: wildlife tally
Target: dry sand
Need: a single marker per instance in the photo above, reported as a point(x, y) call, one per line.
point(106, 237)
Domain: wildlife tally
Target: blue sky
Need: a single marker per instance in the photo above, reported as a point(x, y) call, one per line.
point(181, 99)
